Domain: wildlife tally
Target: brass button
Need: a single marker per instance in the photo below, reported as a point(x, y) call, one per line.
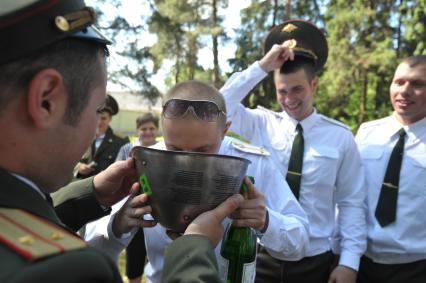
point(26, 240)
point(62, 24)
point(291, 43)
point(56, 236)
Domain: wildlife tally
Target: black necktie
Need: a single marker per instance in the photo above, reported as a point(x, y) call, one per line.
point(294, 173)
point(93, 149)
point(386, 206)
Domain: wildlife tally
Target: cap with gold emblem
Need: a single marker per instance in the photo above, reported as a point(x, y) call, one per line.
point(110, 106)
point(28, 25)
point(303, 37)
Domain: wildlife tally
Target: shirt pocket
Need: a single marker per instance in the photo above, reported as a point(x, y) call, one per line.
point(371, 153)
point(414, 173)
point(322, 165)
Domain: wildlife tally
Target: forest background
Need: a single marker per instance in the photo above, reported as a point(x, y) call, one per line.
point(366, 39)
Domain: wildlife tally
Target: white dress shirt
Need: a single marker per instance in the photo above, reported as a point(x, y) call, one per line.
point(404, 240)
point(286, 236)
point(99, 234)
point(332, 171)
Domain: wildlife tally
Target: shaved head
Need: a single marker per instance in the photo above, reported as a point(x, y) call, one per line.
point(197, 90)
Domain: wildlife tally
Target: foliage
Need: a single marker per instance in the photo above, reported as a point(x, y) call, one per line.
point(366, 40)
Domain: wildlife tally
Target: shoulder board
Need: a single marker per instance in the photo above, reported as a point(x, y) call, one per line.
point(33, 237)
point(335, 122)
point(277, 114)
point(374, 123)
point(249, 148)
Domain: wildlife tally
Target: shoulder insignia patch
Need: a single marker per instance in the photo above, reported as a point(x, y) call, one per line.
point(249, 148)
point(277, 114)
point(335, 122)
point(34, 237)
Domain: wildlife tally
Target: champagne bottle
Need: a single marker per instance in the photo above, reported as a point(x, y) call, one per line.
point(237, 262)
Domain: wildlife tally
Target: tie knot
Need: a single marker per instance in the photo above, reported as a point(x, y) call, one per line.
point(401, 132)
point(299, 128)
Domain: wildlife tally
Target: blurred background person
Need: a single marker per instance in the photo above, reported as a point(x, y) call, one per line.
point(105, 147)
point(147, 129)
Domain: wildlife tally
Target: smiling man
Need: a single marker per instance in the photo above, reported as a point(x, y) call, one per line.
point(393, 150)
point(317, 155)
point(194, 120)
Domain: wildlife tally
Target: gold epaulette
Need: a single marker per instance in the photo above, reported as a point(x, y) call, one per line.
point(249, 148)
point(33, 237)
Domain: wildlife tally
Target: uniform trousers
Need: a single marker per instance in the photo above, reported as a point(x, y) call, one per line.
point(307, 270)
point(372, 272)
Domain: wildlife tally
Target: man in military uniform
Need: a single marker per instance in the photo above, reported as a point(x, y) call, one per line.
point(317, 155)
point(105, 147)
point(194, 120)
point(393, 150)
point(48, 116)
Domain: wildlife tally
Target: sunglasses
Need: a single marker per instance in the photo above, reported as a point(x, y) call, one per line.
point(204, 110)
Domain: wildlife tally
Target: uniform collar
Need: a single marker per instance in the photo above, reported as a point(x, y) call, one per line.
point(31, 184)
point(307, 123)
point(16, 193)
point(417, 128)
point(412, 130)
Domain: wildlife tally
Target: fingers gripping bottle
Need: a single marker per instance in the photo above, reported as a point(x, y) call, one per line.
point(238, 252)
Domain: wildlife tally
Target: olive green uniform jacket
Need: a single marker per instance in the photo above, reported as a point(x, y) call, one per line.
point(104, 156)
point(190, 259)
point(25, 259)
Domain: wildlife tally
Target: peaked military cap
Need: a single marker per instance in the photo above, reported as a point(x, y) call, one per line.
point(28, 25)
point(303, 37)
point(110, 106)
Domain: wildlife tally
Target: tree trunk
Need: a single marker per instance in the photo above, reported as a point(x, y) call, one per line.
point(177, 65)
point(398, 32)
point(216, 70)
point(287, 9)
point(363, 97)
point(274, 16)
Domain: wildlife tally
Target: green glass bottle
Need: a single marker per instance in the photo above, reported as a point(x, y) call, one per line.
point(237, 262)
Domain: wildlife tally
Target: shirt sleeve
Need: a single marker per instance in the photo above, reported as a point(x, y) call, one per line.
point(99, 234)
point(123, 153)
point(286, 236)
point(351, 232)
point(190, 259)
point(234, 91)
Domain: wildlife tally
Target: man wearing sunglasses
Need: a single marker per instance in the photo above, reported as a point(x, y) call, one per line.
point(194, 120)
point(317, 155)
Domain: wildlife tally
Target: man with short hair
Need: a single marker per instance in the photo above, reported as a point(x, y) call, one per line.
point(194, 120)
point(106, 145)
point(393, 150)
point(53, 67)
point(48, 118)
point(317, 155)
